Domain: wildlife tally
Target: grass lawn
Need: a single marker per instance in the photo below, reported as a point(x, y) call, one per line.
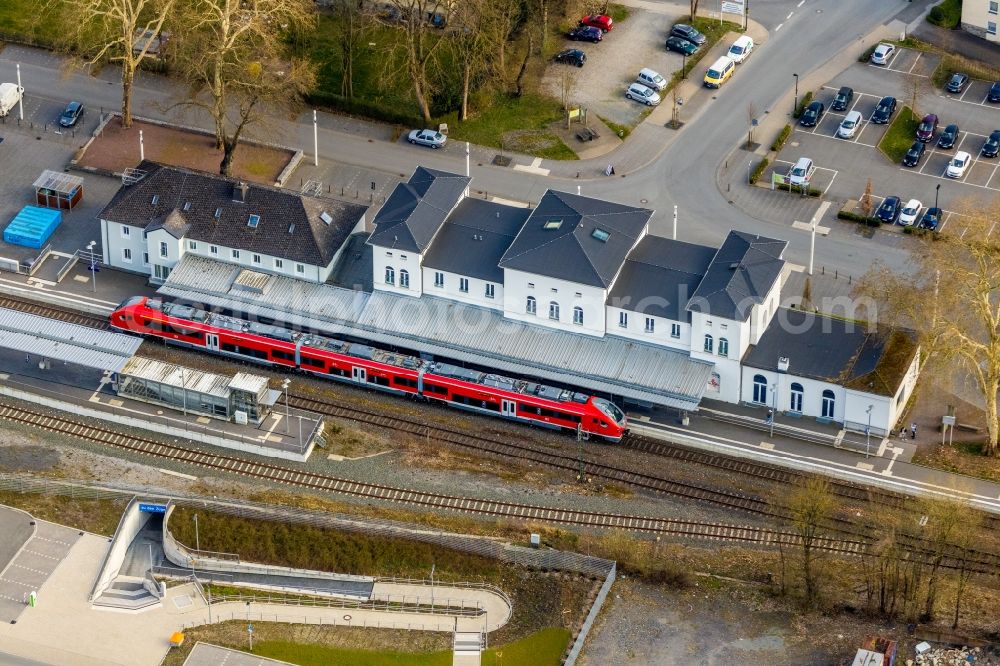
point(514, 124)
point(900, 136)
point(961, 457)
point(947, 15)
point(25, 19)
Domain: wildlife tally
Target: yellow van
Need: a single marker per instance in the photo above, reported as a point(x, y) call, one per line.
point(719, 72)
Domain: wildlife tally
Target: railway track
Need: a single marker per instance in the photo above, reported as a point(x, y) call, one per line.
point(263, 471)
point(51, 312)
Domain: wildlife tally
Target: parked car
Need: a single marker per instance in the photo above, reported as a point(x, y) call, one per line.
point(641, 93)
point(71, 114)
point(949, 137)
point(849, 125)
point(10, 95)
point(889, 211)
point(956, 83)
point(927, 127)
point(931, 219)
point(427, 137)
point(585, 34)
point(910, 213)
point(843, 99)
point(913, 155)
point(680, 45)
point(882, 53)
point(600, 21)
point(741, 49)
point(812, 114)
point(883, 112)
point(572, 56)
point(801, 172)
point(651, 79)
point(992, 144)
point(687, 32)
point(994, 94)
point(959, 163)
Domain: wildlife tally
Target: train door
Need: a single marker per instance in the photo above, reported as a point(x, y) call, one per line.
point(508, 408)
point(359, 375)
point(212, 341)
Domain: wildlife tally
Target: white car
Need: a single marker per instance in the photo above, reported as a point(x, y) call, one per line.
point(427, 137)
point(882, 54)
point(958, 165)
point(741, 49)
point(641, 93)
point(849, 125)
point(911, 213)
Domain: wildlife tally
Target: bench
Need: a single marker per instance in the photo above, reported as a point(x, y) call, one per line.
point(587, 134)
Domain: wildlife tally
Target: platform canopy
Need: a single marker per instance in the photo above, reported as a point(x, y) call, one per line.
point(62, 341)
point(58, 182)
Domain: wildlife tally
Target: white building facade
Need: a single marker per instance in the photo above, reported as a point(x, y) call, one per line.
point(981, 18)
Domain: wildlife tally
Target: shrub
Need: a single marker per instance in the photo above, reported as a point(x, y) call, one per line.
point(803, 103)
point(758, 171)
point(809, 191)
point(947, 15)
point(779, 142)
point(861, 219)
point(364, 108)
point(867, 55)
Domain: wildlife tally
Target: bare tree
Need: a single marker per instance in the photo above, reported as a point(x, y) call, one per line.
point(122, 31)
point(967, 262)
point(965, 542)
point(499, 19)
point(944, 516)
point(915, 87)
point(810, 503)
point(418, 46)
point(694, 8)
point(353, 21)
point(471, 45)
point(751, 116)
point(866, 199)
point(235, 51)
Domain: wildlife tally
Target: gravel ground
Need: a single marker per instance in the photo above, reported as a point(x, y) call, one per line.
point(599, 86)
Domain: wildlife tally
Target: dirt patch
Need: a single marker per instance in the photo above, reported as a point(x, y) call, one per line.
point(117, 149)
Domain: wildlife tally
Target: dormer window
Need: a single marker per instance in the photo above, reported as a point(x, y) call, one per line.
point(187, 206)
point(601, 235)
point(550, 225)
point(253, 221)
point(218, 213)
point(156, 199)
point(325, 216)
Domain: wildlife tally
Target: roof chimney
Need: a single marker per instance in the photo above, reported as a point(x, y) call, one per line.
point(240, 190)
point(782, 364)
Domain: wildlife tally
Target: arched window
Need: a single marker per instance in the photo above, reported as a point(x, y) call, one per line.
point(829, 401)
point(404, 278)
point(532, 306)
point(390, 275)
point(795, 403)
point(578, 315)
point(760, 389)
point(723, 347)
point(553, 310)
point(708, 344)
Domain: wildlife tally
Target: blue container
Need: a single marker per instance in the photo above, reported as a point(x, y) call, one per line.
point(32, 227)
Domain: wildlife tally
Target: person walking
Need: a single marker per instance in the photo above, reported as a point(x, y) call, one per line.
point(770, 417)
point(902, 432)
point(913, 430)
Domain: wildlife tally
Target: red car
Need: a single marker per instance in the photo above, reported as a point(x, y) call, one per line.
point(598, 21)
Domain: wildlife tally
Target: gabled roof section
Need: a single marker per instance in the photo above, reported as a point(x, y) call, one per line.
point(474, 239)
point(742, 273)
point(185, 202)
point(659, 277)
point(416, 209)
point(576, 238)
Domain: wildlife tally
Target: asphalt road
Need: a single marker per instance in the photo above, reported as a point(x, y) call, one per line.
point(684, 174)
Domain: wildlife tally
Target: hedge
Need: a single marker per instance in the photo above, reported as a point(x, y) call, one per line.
point(809, 191)
point(364, 108)
point(779, 142)
point(867, 55)
point(854, 217)
point(914, 231)
point(803, 103)
point(758, 171)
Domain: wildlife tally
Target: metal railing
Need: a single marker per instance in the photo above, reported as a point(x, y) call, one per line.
point(588, 622)
point(453, 607)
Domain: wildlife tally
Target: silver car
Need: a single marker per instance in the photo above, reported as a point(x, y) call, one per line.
point(849, 125)
point(882, 54)
point(641, 93)
point(427, 137)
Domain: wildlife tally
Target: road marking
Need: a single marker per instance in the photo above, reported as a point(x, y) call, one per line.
point(865, 466)
point(789, 15)
point(779, 27)
point(801, 2)
point(915, 63)
point(767, 445)
point(533, 167)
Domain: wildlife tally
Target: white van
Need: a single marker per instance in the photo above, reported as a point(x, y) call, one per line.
point(741, 49)
point(651, 79)
point(10, 95)
point(801, 173)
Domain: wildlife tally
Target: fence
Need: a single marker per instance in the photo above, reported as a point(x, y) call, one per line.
point(588, 623)
point(392, 603)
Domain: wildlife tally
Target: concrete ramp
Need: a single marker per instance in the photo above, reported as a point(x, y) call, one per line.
point(468, 648)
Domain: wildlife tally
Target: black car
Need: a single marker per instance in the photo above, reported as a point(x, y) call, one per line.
point(994, 94)
point(883, 112)
point(842, 100)
point(71, 115)
point(913, 155)
point(956, 83)
point(586, 34)
point(931, 219)
point(948, 137)
point(688, 33)
point(680, 45)
point(812, 115)
point(992, 145)
point(889, 211)
point(572, 56)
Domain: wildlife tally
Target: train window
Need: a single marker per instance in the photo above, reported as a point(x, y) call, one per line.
point(256, 353)
point(492, 406)
point(404, 381)
point(338, 372)
point(528, 409)
point(233, 349)
point(312, 362)
point(278, 353)
point(378, 381)
point(438, 390)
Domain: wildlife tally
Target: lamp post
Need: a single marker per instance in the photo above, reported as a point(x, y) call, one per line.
point(774, 409)
point(93, 262)
point(937, 190)
point(868, 432)
point(749, 164)
point(197, 541)
point(284, 386)
point(20, 90)
point(796, 105)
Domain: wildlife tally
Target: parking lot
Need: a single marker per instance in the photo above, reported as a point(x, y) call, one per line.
point(31, 566)
point(857, 160)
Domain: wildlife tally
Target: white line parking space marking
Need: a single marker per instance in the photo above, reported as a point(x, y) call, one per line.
point(916, 60)
point(779, 27)
point(789, 15)
point(801, 2)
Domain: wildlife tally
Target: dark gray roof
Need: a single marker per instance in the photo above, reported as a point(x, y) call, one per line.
point(833, 350)
point(290, 226)
point(741, 274)
point(416, 209)
point(569, 250)
point(659, 277)
point(474, 239)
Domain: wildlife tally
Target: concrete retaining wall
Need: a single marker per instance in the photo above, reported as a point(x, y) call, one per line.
point(131, 523)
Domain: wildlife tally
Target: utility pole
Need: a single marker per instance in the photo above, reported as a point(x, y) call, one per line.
point(579, 452)
point(197, 541)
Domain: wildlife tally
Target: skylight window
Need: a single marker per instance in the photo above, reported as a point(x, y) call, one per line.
point(253, 221)
point(326, 217)
point(218, 213)
point(552, 224)
point(187, 205)
point(601, 235)
point(156, 199)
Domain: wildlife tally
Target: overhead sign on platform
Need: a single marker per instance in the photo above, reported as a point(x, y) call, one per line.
point(152, 508)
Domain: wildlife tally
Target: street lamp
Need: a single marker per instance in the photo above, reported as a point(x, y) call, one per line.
point(796, 106)
point(868, 432)
point(93, 262)
point(774, 409)
point(197, 541)
point(284, 385)
point(937, 190)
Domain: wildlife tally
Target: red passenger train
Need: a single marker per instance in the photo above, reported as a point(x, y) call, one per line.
point(360, 364)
